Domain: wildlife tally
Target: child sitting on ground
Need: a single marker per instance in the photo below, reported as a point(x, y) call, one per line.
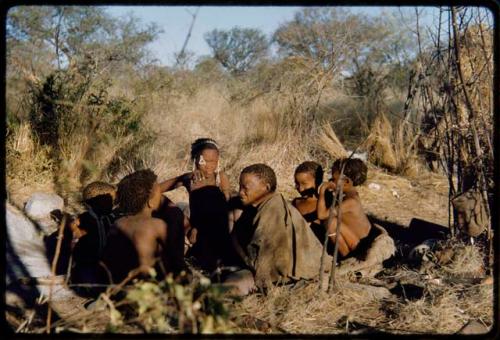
point(357, 237)
point(209, 189)
point(90, 231)
point(137, 239)
point(271, 237)
point(308, 177)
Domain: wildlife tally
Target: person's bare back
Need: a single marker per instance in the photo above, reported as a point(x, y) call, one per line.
point(137, 239)
point(148, 236)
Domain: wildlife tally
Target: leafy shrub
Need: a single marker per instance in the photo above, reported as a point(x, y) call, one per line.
point(168, 306)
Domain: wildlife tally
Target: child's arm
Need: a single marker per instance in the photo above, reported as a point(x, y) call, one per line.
point(322, 209)
point(173, 183)
point(225, 185)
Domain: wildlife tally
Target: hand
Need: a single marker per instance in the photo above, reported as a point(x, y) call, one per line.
point(198, 176)
point(193, 234)
point(75, 228)
point(330, 186)
point(198, 180)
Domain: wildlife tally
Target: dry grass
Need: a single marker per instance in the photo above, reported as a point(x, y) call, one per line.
point(306, 310)
point(442, 310)
point(394, 150)
point(379, 144)
point(440, 315)
point(28, 165)
point(467, 261)
point(328, 140)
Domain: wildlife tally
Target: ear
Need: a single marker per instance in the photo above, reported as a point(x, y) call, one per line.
point(268, 187)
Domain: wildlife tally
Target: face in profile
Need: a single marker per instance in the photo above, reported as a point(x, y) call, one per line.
point(346, 182)
point(208, 160)
point(305, 184)
point(253, 190)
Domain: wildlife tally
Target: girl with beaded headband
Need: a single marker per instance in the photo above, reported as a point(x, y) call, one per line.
point(209, 191)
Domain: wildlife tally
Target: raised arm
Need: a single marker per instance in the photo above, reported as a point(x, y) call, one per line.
point(173, 183)
point(322, 209)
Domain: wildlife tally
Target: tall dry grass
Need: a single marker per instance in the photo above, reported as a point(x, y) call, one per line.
point(27, 163)
point(252, 133)
point(393, 148)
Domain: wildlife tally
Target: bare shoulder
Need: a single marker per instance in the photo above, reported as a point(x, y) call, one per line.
point(158, 224)
point(351, 203)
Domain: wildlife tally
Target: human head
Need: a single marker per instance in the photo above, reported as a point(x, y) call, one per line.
point(99, 195)
point(257, 181)
point(137, 191)
point(205, 155)
point(308, 177)
point(355, 171)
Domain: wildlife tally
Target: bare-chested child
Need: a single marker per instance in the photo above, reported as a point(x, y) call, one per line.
point(358, 238)
point(355, 226)
point(209, 191)
point(138, 240)
point(308, 178)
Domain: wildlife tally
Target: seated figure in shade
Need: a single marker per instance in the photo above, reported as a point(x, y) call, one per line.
point(138, 240)
point(209, 191)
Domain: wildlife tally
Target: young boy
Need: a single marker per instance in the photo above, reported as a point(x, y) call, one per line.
point(271, 236)
point(137, 240)
point(308, 177)
point(358, 238)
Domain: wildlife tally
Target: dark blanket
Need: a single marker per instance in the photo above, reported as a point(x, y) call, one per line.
point(209, 215)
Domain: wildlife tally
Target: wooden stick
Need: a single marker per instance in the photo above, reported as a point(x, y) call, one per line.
point(337, 232)
point(60, 236)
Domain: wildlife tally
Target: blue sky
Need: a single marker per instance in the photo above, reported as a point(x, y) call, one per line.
point(175, 22)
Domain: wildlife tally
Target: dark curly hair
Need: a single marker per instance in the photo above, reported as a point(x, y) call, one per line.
point(313, 168)
point(202, 144)
point(134, 191)
point(354, 168)
point(264, 172)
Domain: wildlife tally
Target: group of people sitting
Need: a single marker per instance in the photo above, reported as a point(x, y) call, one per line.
point(255, 238)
